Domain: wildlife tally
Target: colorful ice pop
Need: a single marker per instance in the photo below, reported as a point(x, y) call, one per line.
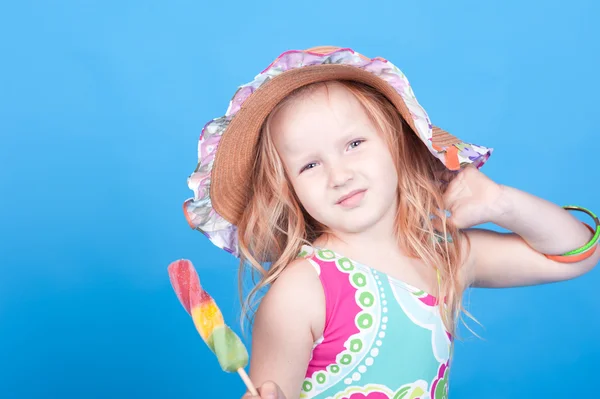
point(208, 319)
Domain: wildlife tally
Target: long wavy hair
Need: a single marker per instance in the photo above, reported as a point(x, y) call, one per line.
point(274, 224)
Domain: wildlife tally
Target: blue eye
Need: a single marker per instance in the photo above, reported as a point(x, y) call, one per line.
point(308, 166)
point(356, 143)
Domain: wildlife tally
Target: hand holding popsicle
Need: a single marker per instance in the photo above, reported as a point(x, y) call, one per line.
point(208, 319)
point(268, 390)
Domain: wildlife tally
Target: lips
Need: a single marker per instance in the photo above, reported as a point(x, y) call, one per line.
point(349, 196)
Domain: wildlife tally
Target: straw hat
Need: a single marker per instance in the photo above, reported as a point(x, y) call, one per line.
point(226, 149)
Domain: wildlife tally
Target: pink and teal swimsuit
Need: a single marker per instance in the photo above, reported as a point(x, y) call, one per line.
point(383, 338)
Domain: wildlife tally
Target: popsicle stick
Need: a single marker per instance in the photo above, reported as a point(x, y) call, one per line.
point(247, 381)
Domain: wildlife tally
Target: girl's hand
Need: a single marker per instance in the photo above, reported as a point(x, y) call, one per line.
point(472, 198)
point(268, 390)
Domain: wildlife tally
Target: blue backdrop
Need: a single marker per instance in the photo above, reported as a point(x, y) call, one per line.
point(101, 106)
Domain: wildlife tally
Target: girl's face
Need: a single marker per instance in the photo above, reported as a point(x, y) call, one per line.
point(337, 161)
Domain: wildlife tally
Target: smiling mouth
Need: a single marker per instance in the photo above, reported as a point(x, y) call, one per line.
point(351, 199)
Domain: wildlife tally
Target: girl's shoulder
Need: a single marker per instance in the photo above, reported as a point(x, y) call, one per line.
point(285, 326)
point(295, 299)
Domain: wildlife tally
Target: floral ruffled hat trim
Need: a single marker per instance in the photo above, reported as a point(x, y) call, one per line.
point(225, 149)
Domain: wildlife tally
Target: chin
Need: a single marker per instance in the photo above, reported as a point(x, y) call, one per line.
point(357, 224)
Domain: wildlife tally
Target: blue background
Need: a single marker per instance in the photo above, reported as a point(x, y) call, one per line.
point(101, 106)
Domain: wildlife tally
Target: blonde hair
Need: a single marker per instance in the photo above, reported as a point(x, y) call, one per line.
point(274, 224)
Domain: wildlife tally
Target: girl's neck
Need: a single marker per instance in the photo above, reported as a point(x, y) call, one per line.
point(379, 239)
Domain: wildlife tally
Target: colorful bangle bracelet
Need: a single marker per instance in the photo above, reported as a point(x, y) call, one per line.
point(595, 232)
point(572, 258)
point(584, 252)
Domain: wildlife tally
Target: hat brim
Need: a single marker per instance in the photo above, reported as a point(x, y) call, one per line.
point(236, 155)
point(227, 146)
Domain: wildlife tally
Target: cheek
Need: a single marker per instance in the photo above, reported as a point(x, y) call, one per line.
point(387, 177)
point(391, 172)
point(305, 194)
point(384, 168)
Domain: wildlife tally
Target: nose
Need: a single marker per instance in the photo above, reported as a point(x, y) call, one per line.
point(340, 173)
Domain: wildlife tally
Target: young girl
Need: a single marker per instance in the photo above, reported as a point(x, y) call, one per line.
point(327, 169)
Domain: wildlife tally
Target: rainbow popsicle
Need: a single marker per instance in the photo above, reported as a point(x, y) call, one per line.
point(208, 319)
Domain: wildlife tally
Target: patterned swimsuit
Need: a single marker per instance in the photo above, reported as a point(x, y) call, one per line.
point(383, 338)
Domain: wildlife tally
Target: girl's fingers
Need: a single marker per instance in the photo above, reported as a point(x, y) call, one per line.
point(443, 178)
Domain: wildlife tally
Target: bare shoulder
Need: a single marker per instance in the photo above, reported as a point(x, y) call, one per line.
point(288, 318)
point(296, 296)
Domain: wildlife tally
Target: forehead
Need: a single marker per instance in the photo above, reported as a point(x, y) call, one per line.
point(318, 116)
